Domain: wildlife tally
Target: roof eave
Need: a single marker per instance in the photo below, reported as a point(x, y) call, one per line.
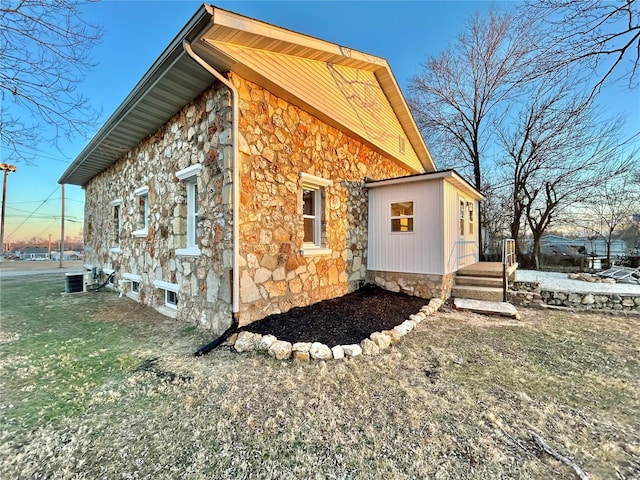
point(172, 54)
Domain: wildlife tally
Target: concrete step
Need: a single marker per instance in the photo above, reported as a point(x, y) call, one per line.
point(492, 308)
point(478, 293)
point(479, 281)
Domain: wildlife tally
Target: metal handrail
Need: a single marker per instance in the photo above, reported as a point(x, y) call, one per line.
point(508, 259)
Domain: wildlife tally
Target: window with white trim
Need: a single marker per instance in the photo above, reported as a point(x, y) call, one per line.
point(402, 217)
point(313, 214)
point(141, 211)
point(134, 281)
point(461, 218)
point(189, 176)
point(116, 224)
point(169, 292)
point(170, 299)
point(470, 208)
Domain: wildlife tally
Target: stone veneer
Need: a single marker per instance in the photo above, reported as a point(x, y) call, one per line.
point(277, 142)
point(531, 294)
point(416, 284)
point(199, 134)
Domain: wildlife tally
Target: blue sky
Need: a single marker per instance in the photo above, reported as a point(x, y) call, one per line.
point(136, 32)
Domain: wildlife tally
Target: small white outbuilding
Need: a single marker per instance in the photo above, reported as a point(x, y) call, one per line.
point(422, 230)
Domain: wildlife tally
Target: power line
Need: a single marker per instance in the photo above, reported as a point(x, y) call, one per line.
point(33, 213)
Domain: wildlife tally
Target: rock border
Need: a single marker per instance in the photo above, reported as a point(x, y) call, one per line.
point(304, 351)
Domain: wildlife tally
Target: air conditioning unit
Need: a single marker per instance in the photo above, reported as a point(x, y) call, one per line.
point(76, 282)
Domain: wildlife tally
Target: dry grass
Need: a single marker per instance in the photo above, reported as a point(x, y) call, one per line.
point(456, 399)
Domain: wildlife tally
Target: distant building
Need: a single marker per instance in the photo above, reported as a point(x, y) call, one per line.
point(34, 253)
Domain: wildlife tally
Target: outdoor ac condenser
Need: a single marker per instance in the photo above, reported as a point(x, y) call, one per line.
point(76, 282)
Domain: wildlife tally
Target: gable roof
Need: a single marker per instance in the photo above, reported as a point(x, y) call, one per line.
point(449, 175)
point(347, 89)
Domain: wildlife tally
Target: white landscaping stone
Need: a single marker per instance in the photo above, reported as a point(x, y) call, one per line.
point(435, 303)
point(265, 342)
point(338, 352)
point(369, 347)
point(280, 349)
point(380, 339)
point(401, 329)
point(319, 351)
point(301, 346)
point(409, 324)
point(352, 350)
point(247, 341)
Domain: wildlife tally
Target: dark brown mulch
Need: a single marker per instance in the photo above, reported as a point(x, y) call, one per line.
point(341, 321)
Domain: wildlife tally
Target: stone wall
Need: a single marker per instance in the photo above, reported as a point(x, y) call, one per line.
point(199, 134)
point(277, 142)
point(530, 294)
point(416, 284)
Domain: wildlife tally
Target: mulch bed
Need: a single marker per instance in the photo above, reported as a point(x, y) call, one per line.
point(341, 321)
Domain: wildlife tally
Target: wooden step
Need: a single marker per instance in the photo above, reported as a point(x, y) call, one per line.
point(479, 281)
point(491, 294)
point(491, 308)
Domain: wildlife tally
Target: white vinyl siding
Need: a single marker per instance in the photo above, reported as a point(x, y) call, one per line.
point(352, 97)
point(420, 252)
point(462, 246)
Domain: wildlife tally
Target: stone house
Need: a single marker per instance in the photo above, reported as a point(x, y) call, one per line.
point(234, 180)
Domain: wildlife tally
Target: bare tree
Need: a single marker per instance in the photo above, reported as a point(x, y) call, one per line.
point(556, 153)
point(604, 35)
point(611, 207)
point(44, 54)
point(459, 92)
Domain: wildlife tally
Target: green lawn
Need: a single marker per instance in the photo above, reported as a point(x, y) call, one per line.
point(456, 399)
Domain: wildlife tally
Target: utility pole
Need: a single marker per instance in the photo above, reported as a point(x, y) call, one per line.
point(62, 228)
point(5, 168)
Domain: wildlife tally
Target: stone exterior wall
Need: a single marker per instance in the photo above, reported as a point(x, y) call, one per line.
point(199, 134)
point(278, 141)
point(416, 284)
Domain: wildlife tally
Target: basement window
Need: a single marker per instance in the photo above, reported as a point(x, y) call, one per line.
point(142, 211)
point(169, 297)
point(313, 215)
point(402, 217)
point(136, 281)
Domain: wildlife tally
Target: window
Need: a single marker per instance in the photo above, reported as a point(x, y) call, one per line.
point(142, 211)
point(192, 214)
point(116, 225)
point(170, 299)
point(470, 208)
point(189, 176)
point(313, 216)
point(169, 292)
point(402, 217)
point(135, 281)
point(461, 217)
point(89, 229)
